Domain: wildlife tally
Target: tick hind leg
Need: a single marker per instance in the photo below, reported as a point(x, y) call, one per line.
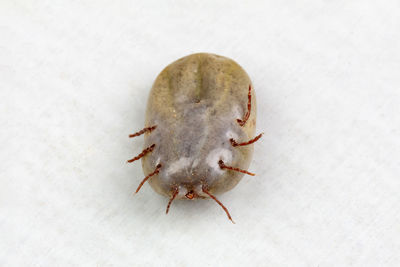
point(143, 153)
point(146, 150)
point(251, 141)
point(144, 130)
point(243, 121)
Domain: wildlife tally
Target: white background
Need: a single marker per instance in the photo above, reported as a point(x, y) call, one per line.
point(74, 81)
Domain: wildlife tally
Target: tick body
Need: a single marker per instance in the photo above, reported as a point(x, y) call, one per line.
point(200, 125)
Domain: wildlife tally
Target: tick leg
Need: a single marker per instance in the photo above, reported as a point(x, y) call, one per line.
point(204, 189)
point(223, 166)
point(176, 191)
point(156, 171)
point(247, 115)
point(147, 129)
point(143, 153)
point(234, 143)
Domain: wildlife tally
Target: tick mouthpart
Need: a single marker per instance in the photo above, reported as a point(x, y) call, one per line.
point(190, 195)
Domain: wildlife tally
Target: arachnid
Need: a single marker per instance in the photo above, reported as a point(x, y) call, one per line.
point(199, 128)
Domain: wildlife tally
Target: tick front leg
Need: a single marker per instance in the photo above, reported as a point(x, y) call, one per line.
point(223, 166)
point(205, 190)
point(156, 171)
point(174, 194)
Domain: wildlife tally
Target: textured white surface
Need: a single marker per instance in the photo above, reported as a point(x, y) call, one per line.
point(74, 80)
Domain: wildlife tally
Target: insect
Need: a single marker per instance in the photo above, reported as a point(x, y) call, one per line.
point(200, 125)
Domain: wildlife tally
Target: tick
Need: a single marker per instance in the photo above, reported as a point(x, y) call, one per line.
point(200, 129)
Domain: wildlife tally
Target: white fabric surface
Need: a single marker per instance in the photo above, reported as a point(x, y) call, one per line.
point(74, 81)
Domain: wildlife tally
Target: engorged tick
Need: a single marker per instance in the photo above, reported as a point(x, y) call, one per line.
point(200, 125)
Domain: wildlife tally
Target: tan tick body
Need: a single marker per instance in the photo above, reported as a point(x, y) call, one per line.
point(200, 126)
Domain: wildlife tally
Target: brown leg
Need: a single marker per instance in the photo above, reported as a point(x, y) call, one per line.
point(223, 166)
point(147, 129)
point(204, 188)
point(176, 191)
point(234, 143)
point(143, 153)
point(247, 115)
point(156, 171)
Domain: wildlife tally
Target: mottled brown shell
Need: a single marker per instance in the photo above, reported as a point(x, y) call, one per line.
point(195, 103)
